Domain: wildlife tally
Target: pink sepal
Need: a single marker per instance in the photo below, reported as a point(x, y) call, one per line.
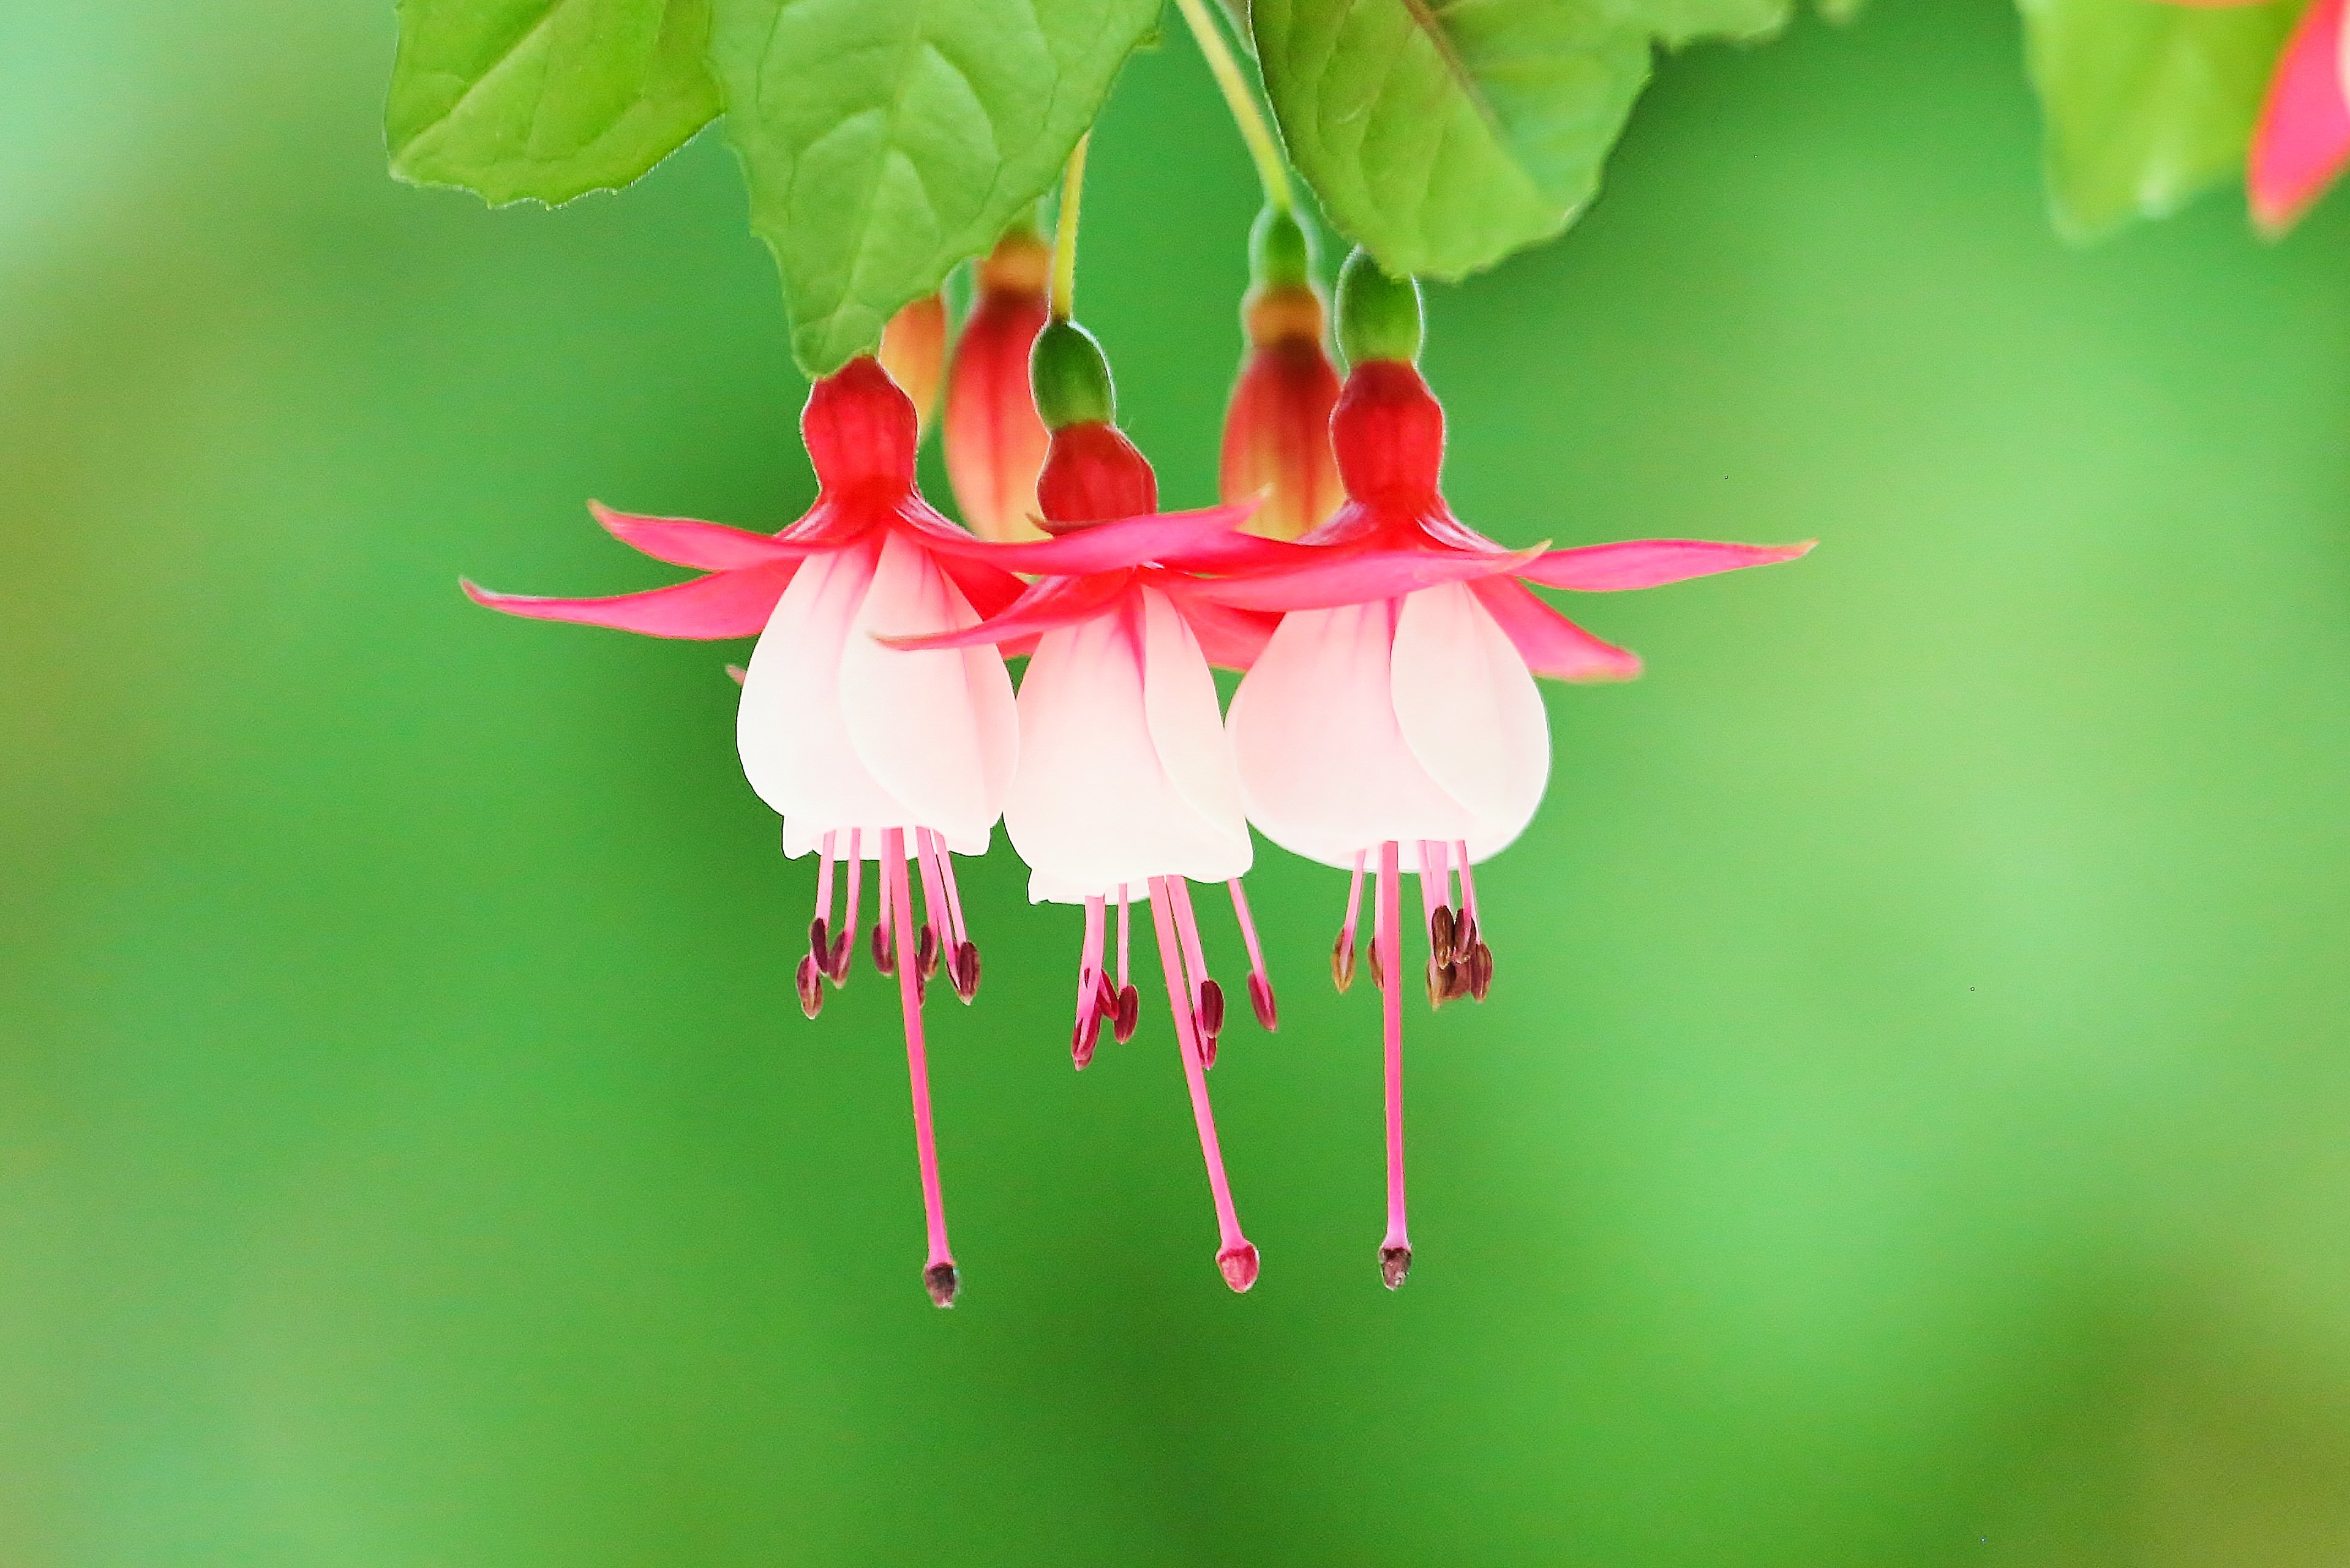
point(1349, 577)
point(2302, 140)
point(1048, 605)
point(1651, 563)
point(1174, 538)
point(724, 604)
point(1230, 639)
point(1551, 644)
point(704, 547)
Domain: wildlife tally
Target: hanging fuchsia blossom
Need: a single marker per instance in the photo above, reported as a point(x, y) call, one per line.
point(2302, 142)
point(1277, 427)
point(994, 441)
point(865, 749)
point(1126, 790)
point(1399, 729)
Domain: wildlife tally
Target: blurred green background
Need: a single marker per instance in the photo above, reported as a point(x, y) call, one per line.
point(1907, 1129)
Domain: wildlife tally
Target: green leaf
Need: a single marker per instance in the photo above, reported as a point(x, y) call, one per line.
point(885, 140)
point(545, 99)
point(1680, 22)
point(1443, 140)
point(2146, 105)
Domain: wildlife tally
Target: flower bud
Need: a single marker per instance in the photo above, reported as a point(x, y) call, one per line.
point(1378, 315)
point(994, 441)
point(914, 352)
point(1092, 473)
point(1277, 426)
point(1388, 434)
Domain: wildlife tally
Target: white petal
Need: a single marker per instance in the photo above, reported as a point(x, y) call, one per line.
point(789, 728)
point(1324, 765)
point(1187, 726)
point(1471, 712)
point(931, 726)
point(1091, 806)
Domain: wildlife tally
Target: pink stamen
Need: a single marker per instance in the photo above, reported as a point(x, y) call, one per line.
point(1268, 1014)
point(954, 893)
point(1235, 1258)
point(1467, 880)
point(820, 944)
point(939, 1275)
point(1124, 944)
point(1126, 1003)
point(838, 961)
point(1342, 956)
point(1207, 996)
point(1087, 1028)
point(1395, 1251)
point(961, 956)
point(885, 939)
point(931, 940)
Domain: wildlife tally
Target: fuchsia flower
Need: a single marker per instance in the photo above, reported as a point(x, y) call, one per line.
point(864, 750)
point(1125, 788)
point(2302, 142)
point(1400, 730)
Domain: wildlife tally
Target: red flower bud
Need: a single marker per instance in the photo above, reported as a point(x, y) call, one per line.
point(1277, 428)
point(1092, 473)
point(914, 352)
point(994, 441)
point(1388, 433)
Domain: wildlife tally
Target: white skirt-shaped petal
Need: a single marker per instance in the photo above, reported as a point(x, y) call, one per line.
point(1125, 772)
point(1403, 721)
point(839, 732)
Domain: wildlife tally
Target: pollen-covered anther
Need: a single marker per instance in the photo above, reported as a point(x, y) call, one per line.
point(1379, 975)
point(1268, 1014)
point(941, 1281)
point(1439, 977)
point(1238, 1264)
point(1342, 962)
point(1440, 936)
point(1395, 1265)
point(1128, 1017)
point(808, 981)
point(964, 970)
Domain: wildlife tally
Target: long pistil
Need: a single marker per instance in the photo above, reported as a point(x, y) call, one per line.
point(1395, 1251)
point(939, 1275)
point(1235, 1258)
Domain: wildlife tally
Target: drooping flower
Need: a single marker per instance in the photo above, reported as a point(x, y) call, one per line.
point(914, 352)
point(994, 441)
point(1390, 728)
point(1277, 427)
point(866, 750)
point(1126, 789)
point(2300, 142)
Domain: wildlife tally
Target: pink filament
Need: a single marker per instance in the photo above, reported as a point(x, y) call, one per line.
point(1089, 965)
point(1354, 900)
point(1194, 961)
point(934, 902)
point(1123, 944)
point(1228, 1224)
point(855, 866)
point(954, 893)
point(1247, 929)
point(1390, 915)
point(824, 891)
point(884, 883)
point(1468, 882)
point(899, 898)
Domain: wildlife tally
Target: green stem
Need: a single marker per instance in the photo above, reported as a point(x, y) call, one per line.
point(1065, 234)
point(1226, 67)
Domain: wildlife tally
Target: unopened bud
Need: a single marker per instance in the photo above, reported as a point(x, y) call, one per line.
point(1277, 445)
point(1378, 314)
point(914, 352)
point(994, 441)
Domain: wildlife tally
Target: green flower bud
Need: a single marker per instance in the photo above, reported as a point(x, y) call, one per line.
point(1070, 378)
point(1280, 255)
point(1378, 315)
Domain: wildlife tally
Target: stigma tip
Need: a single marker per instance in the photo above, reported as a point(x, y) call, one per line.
point(1238, 1264)
point(943, 1283)
point(1395, 1264)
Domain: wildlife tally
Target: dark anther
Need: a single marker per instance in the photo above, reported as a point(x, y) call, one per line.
point(926, 950)
point(1083, 1037)
point(808, 981)
point(1440, 935)
point(1268, 1015)
point(1128, 1017)
point(1464, 932)
point(817, 944)
point(1342, 962)
point(1378, 976)
point(1211, 1009)
point(1480, 970)
point(885, 951)
point(1436, 976)
point(964, 970)
point(836, 961)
